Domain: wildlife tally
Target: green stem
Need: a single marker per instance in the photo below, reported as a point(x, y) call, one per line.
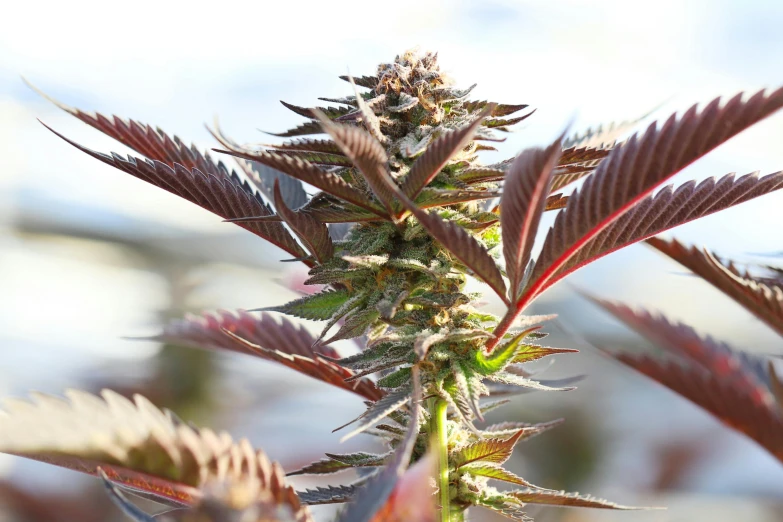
point(442, 441)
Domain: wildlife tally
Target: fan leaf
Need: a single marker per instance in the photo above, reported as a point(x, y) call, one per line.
point(137, 446)
point(561, 498)
point(524, 199)
point(764, 299)
point(214, 189)
point(313, 233)
point(633, 170)
point(274, 339)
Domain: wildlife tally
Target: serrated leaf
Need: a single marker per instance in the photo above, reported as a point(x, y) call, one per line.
point(524, 382)
point(330, 112)
point(495, 451)
point(314, 234)
point(502, 124)
point(744, 370)
point(561, 498)
point(369, 82)
point(355, 325)
point(377, 411)
point(764, 299)
point(632, 171)
point(556, 202)
point(136, 445)
point(317, 307)
point(327, 181)
point(670, 208)
point(303, 129)
point(529, 430)
point(367, 154)
point(438, 153)
point(467, 394)
point(495, 472)
point(327, 495)
point(747, 413)
point(524, 199)
point(214, 188)
point(268, 337)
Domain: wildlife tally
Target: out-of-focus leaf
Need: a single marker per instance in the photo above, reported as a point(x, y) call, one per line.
point(327, 495)
point(136, 445)
point(764, 299)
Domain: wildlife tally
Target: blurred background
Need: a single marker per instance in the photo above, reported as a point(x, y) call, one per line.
point(89, 254)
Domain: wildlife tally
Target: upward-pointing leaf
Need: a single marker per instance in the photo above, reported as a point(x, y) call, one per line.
point(524, 199)
point(214, 189)
point(764, 299)
point(634, 169)
point(366, 153)
point(313, 233)
point(438, 153)
point(670, 208)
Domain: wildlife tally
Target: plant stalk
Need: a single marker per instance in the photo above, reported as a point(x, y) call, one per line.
point(442, 441)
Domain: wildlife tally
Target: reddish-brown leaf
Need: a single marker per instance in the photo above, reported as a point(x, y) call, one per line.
point(556, 202)
point(367, 154)
point(274, 339)
point(137, 446)
point(764, 299)
point(743, 370)
point(634, 169)
point(670, 208)
point(524, 198)
point(216, 190)
point(330, 112)
point(438, 153)
point(735, 407)
point(313, 233)
point(309, 173)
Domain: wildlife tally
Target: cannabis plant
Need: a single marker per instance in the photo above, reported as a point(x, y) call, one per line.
point(401, 165)
point(740, 388)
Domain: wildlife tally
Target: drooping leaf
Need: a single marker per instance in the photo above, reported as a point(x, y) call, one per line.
point(121, 501)
point(275, 339)
point(214, 189)
point(634, 169)
point(764, 299)
point(524, 198)
point(264, 177)
point(367, 154)
point(313, 233)
point(137, 446)
point(438, 153)
point(327, 181)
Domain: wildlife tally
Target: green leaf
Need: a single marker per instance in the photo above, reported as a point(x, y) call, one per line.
point(318, 307)
point(495, 451)
point(495, 472)
point(500, 357)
